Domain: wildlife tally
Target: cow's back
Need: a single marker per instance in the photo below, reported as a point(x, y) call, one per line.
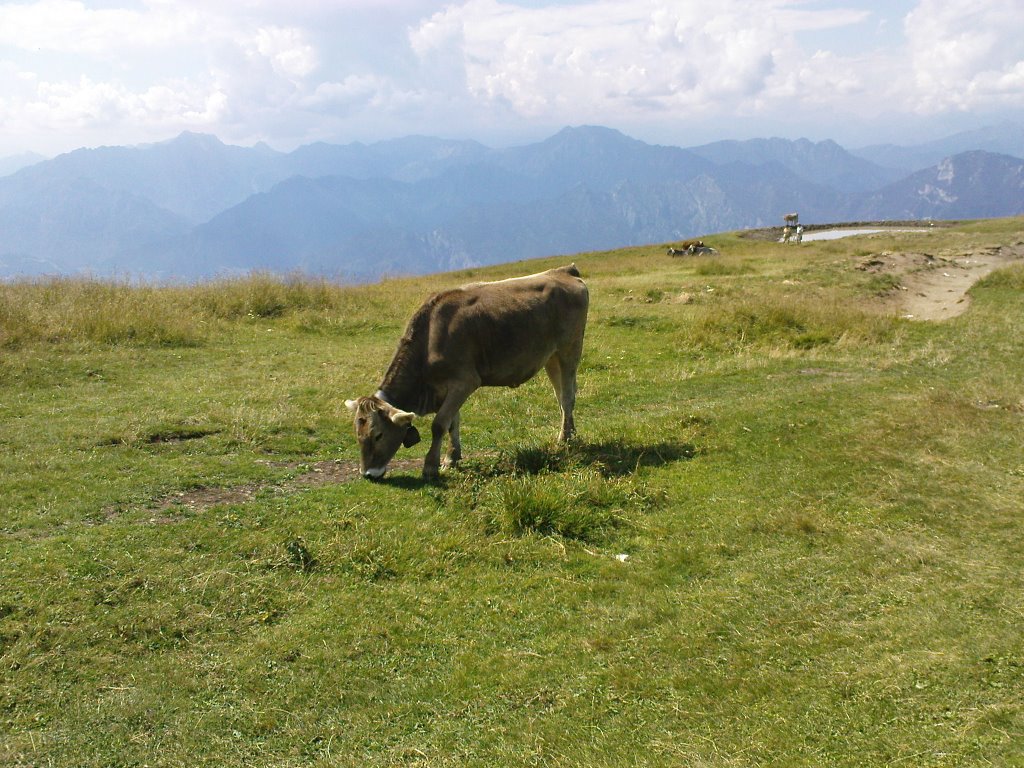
point(503, 332)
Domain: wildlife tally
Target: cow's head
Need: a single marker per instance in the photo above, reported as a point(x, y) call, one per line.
point(380, 429)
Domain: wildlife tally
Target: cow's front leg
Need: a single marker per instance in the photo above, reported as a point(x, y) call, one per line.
point(455, 444)
point(447, 416)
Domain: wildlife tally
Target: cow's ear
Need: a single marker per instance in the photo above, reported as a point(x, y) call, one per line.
point(352, 405)
point(412, 436)
point(402, 418)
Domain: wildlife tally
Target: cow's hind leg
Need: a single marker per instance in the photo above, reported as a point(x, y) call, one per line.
point(562, 373)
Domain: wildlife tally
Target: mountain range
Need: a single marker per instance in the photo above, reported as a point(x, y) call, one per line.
point(193, 207)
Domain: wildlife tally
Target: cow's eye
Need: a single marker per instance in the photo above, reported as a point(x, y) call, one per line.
point(377, 437)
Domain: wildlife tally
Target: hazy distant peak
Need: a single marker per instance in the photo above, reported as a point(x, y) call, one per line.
point(419, 148)
point(585, 141)
point(198, 140)
point(1003, 139)
point(420, 140)
point(15, 163)
point(590, 133)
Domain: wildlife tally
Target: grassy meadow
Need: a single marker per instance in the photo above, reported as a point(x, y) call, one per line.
point(790, 532)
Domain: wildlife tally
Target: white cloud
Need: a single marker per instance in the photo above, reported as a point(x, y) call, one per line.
point(965, 54)
point(625, 58)
point(70, 26)
point(346, 95)
point(145, 71)
point(66, 105)
point(128, 70)
point(287, 50)
point(646, 59)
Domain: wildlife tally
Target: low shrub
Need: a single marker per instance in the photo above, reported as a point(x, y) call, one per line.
point(261, 295)
point(581, 505)
point(788, 321)
point(82, 309)
point(111, 312)
point(1011, 278)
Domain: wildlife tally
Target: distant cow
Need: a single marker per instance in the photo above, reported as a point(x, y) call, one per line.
point(691, 248)
point(480, 335)
point(791, 218)
point(687, 247)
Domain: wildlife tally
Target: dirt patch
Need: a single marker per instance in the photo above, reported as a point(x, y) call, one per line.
point(934, 287)
point(202, 498)
point(182, 503)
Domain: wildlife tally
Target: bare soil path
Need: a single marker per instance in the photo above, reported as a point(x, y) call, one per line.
point(934, 287)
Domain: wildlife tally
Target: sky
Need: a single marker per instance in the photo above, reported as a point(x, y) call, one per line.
point(77, 73)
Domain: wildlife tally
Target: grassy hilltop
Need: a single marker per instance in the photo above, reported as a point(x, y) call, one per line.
point(791, 532)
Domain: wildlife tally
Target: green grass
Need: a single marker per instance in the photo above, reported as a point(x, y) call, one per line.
point(790, 532)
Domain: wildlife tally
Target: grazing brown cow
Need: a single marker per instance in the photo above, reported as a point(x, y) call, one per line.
point(791, 218)
point(480, 335)
point(691, 248)
point(687, 247)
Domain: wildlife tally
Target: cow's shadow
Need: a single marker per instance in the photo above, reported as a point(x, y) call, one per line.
point(612, 458)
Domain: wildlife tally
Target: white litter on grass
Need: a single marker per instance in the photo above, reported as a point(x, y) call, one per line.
point(622, 558)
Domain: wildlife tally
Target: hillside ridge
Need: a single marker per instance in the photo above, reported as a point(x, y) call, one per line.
point(194, 208)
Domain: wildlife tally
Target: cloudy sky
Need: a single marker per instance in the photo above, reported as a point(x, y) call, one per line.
point(92, 72)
